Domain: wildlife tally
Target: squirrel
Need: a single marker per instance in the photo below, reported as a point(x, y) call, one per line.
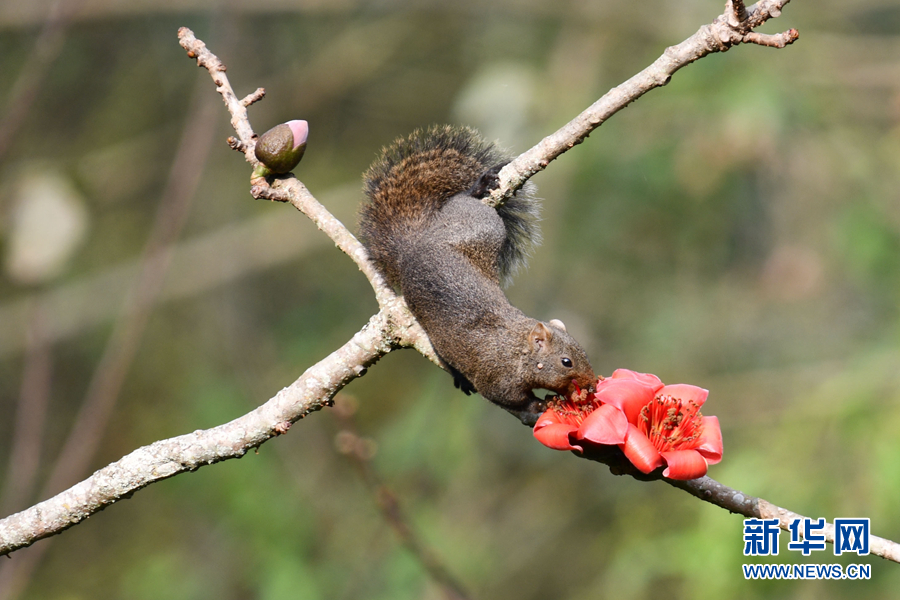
point(430, 235)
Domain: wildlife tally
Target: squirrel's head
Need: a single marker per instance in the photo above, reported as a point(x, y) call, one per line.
point(559, 362)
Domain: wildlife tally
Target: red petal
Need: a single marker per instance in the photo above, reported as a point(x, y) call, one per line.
point(684, 464)
point(629, 395)
point(548, 417)
point(685, 392)
point(710, 443)
point(640, 451)
point(606, 425)
point(648, 378)
point(556, 436)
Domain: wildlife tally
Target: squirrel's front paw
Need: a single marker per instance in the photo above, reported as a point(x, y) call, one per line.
point(529, 415)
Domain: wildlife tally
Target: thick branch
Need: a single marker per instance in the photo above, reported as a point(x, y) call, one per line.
point(723, 33)
point(163, 459)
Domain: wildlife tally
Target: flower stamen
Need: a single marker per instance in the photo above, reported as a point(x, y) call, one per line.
point(671, 423)
point(571, 411)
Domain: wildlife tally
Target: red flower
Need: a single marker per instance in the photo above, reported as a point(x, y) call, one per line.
point(655, 425)
point(567, 423)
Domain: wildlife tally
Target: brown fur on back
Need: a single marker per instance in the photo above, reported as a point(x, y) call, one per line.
point(410, 182)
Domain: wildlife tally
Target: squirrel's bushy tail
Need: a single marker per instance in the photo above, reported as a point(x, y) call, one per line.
point(416, 175)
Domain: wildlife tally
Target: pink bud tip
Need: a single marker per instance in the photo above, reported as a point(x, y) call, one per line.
point(300, 129)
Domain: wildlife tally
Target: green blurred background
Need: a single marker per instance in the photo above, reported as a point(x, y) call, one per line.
point(738, 229)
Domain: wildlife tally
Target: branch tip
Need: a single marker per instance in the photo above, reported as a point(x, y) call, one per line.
point(261, 190)
point(254, 97)
point(737, 10)
point(777, 40)
point(236, 144)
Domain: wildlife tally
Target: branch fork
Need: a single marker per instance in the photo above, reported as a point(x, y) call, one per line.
point(736, 25)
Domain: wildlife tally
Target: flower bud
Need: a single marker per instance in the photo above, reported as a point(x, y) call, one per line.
point(281, 148)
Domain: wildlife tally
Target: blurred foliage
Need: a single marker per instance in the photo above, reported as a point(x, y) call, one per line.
point(738, 230)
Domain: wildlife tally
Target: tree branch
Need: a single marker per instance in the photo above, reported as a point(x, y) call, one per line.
point(734, 501)
point(288, 188)
point(393, 327)
point(103, 391)
point(734, 26)
point(238, 108)
point(166, 458)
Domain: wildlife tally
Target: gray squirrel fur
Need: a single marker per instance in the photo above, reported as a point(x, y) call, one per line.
point(430, 235)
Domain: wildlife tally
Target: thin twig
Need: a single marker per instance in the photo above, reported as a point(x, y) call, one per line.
point(736, 11)
point(360, 451)
point(777, 40)
point(732, 500)
point(735, 501)
point(237, 107)
point(47, 47)
point(283, 189)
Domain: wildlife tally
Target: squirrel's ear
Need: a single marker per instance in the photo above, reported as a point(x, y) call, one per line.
point(558, 324)
point(540, 335)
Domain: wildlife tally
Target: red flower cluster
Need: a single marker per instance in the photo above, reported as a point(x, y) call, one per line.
point(654, 424)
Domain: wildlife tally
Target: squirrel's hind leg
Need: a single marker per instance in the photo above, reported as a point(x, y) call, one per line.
point(486, 183)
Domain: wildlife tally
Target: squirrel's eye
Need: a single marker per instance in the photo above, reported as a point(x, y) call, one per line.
point(567, 362)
